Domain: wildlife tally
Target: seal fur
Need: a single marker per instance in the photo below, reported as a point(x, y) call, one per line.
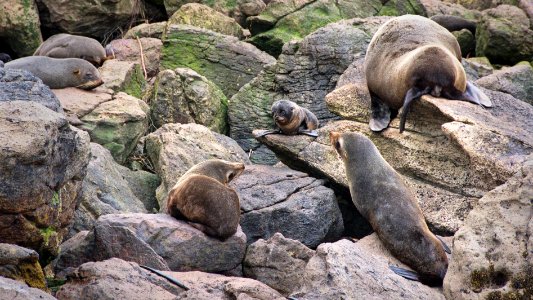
point(64, 45)
point(292, 119)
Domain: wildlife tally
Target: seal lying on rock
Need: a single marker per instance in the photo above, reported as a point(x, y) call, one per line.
point(383, 198)
point(59, 73)
point(203, 197)
point(65, 45)
point(410, 56)
point(454, 23)
point(292, 119)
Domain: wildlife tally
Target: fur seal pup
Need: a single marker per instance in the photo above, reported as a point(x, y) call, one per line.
point(65, 45)
point(58, 73)
point(292, 119)
point(202, 196)
point(410, 56)
point(383, 198)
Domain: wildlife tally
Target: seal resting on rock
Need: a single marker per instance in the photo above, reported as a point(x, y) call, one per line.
point(292, 119)
point(410, 56)
point(65, 45)
point(58, 73)
point(383, 198)
point(202, 196)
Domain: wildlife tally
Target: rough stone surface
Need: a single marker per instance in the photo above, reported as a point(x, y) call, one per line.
point(123, 76)
point(152, 30)
point(118, 124)
point(438, 7)
point(74, 252)
point(278, 199)
point(516, 81)
point(251, 7)
point(483, 4)
point(184, 96)
point(227, 7)
point(466, 41)
point(12, 289)
point(143, 185)
point(477, 67)
point(492, 251)
point(129, 50)
point(77, 102)
point(224, 60)
point(175, 148)
point(277, 262)
point(20, 26)
point(21, 264)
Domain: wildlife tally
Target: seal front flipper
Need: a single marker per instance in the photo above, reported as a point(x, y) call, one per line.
point(446, 248)
point(475, 95)
point(266, 132)
point(407, 274)
point(380, 117)
point(412, 94)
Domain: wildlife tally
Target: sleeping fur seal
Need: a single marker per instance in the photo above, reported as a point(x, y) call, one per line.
point(65, 45)
point(410, 56)
point(383, 198)
point(292, 119)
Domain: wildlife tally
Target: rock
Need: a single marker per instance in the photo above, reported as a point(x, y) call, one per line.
point(227, 7)
point(516, 81)
point(116, 279)
point(347, 270)
point(402, 7)
point(492, 251)
point(286, 201)
point(277, 262)
point(527, 7)
point(143, 185)
point(504, 36)
point(118, 124)
point(12, 289)
point(202, 16)
point(42, 163)
point(129, 50)
point(123, 76)
point(78, 103)
point(21, 264)
point(477, 67)
point(305, 72)
point(74, 252)
point(175, 148)
point(483, 4)
point(251, 7)
point(104, 191)
point(438, 7)
point(184, 96)
point(152, 30)
point(224, 60)
point(20, 26)
point(467, 42)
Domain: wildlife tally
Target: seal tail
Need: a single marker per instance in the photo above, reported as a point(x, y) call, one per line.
point(446, 248)
point(412, 94)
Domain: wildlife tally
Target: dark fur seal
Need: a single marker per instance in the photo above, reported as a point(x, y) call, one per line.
point(384, 199)
point(59, 73)
point(203, 197)
point(65, 45)
point(410, 56)
point(454, 23)
point(292, 119)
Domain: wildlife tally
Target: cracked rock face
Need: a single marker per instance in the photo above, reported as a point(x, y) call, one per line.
point(13, 289)
point(515, 81)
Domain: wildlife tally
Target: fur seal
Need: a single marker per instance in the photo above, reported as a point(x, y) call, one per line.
point(292, 119)
point(203, 197)
point(4, 57)
point(410, 56)
point(58, 73)
point(65, 45)
point(384, 199)
point(454, 23)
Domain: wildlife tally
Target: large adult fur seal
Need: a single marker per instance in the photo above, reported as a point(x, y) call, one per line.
point(292, 119)
point(59, 73)
point(454, 23)
point(65, 45)
point(410, 56)
point(384, 199)
point(202, 196)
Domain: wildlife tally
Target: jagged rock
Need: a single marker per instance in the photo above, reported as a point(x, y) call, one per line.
point(104, 191)
point(123, 76)
point(492, 251)
point(20, 26)
point(77, 102)
point(438, 7)
point(175, 148)
point(42, 163)
point(282, 200)
point(516, 81)
point(305, 72)
point(476, 67)
point(12, 289)
point(203, 16)
point(184, 96)
point(504, 36)
point(152, 30)
point(118, 124)
point(277, 262)
point(21, 264)
point(129, 50)
point(347, 270)
point(224, 60)
point(251, 7)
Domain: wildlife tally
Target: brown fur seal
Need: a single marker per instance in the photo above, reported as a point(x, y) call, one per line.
point(292, 119)
point(59, 73)
point(383, 198)
point(65, 45)
point(203, 197)
point(410, 56)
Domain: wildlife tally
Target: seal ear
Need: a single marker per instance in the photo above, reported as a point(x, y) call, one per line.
point(475, 95)
point(77, 72)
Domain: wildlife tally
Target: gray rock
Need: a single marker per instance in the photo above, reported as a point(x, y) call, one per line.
point(123, 76)
point(516, 81)
point(152, 30)
point(438, 7)
point(466, 41)
point(483, 4)
point(78, 103)
point(12, 289)
point(20, 26)
point(251, 7)
point(74, 252)
point(282, 200)
point(143, 185)
point(130, 50)
point(21, 264)
point(476, 67)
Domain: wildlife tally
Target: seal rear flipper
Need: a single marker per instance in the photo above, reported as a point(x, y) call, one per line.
point(266, 132)
point(407, 274)
point(446, 248)
point(312, 133)
point(412, 94)
point(381, 113)
point(475, 95)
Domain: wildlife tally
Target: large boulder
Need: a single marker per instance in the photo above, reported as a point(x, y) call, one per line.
point(278, 199)
point(227, 7)
point(77, 102)
point(152, 30)
point(123, 76)
point(516, 81)
point(483, 4)
point(21, 264)
point(131, 50)
point(438, 7)
point(12, 289)
point(20, 27)
point(492, 252)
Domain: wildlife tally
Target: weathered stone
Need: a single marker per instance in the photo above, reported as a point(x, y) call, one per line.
point(278, 262)
point(492, 252)
point(152, 30)
point(438, 7)
point(123, 76)
point(466, 41)
point(251, 7)
point(118, 124)
point(227, 7)
point(184, 96)
point(175, 148)
point(74, 252)
point(12, 289)
point(224, 60)
point(77, 102)
point(476, 67)
point(21, 264)
point(516, 81)
point(20, 26)
point(143, 185)
point(282, 200)
point(130, 50)
point(483, 4)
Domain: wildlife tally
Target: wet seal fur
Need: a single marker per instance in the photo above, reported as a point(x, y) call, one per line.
point(410, 56)
point(58, 73)
point(384, 199)
point(202, 196)
point(292, 119)
point(65, 45)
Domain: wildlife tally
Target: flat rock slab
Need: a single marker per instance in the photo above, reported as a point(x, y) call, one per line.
point(12, 289)
point(81, 102)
